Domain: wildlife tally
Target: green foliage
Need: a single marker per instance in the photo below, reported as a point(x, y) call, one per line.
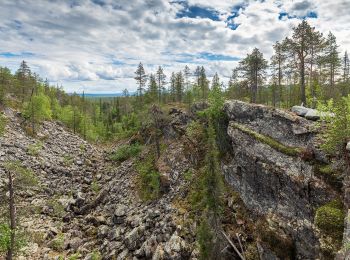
point(125, 152)
point(75, 256)
point(39, 108)
point(5, 238)
point(34, 149)
point(68, 159)
point(188, 175)
point(330, 175)
point(3, 122)
point(205, 238)
point(24, 177)
point(95, 187)
point(58, 242)
point(336, 115)
point(57, 208)
point(149, 178)
point(95, 255)
point(212, 179)
point(293, 151)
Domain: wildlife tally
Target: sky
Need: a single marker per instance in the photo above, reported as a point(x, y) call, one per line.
point(96, 45)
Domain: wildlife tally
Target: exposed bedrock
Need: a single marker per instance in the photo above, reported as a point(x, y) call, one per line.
point(269, 172)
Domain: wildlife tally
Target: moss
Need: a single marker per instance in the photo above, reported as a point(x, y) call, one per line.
point(329, 175)
point(288, 150)
point(329, 219)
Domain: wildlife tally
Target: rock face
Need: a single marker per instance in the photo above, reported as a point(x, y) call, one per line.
point(273, 182)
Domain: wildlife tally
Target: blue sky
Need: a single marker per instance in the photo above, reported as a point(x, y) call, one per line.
point(95, 45)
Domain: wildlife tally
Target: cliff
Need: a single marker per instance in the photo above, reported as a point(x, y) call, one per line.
point(276, 167)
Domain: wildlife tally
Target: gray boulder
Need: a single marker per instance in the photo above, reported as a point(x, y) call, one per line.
point(300, 110)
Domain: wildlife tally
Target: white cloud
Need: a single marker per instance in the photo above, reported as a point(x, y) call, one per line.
point(82, 44)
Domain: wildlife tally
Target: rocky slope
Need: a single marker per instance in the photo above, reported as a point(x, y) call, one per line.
point(86, 204)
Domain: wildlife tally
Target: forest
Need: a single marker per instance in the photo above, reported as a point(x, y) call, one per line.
point(306, 68)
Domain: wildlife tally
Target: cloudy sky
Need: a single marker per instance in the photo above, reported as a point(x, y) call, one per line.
point(95, 45)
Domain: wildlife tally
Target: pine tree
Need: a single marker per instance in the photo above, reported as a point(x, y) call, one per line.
point(179, 86)
point(277, 63)
point(253, 69)
point(172, 89)
point(160, 78)
point(153, 88)
point(300, 46)
point(187, 74)
point(23, 75)
point(203, 83)
point(141, 79)
point(331, 59)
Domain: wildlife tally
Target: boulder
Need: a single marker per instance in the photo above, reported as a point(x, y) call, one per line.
point(133, 238)
point(312, 114)
point(300, 110)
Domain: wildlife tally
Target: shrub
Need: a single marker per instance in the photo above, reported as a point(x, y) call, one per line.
point(125, 152)
point(95, 187)
point(2, 124)
point(149, 179)
point(34, 149)
point(5, 238)
point(205, 237)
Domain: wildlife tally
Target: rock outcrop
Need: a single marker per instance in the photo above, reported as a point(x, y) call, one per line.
point(275, 154)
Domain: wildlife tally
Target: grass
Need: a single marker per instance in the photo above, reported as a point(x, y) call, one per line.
point(67, 160)
point(58, 243)
point(34, 149)
point(125, 152)
point(95, 187)
point(288, 150)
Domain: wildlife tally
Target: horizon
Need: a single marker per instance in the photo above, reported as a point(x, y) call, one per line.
point(95, 46)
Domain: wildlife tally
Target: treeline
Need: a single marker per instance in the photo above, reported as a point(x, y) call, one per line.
point(305, 68)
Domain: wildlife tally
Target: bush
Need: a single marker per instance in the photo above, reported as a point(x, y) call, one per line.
point(5, 238)
point(125, 152)
point(205, 237)
point(149, 179)
point(2, 124)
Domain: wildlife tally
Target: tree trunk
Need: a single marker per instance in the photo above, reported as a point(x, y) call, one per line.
point(12, 217)
point(302, 81)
